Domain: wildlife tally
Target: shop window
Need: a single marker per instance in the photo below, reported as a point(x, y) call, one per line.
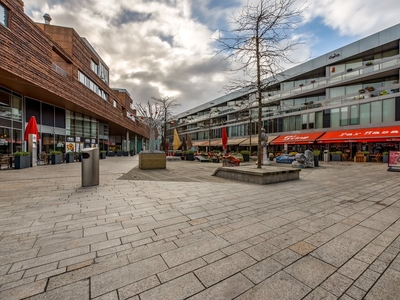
point(47, 114)
point(326, 117)
point(59, 117)
point(32, 109)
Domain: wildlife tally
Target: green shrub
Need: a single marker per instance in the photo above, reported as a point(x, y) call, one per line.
point(55, 152)
point(366, 152)
point(337, 152)
point(385, 153)
point(103, 151)
point(245, 152)
point(22, 153)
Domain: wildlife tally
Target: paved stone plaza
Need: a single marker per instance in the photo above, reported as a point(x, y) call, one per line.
point(182, 234)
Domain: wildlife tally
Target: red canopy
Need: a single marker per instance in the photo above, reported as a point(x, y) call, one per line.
point(376, 134)
point(304, 138)
point(224, 138)
point(31, 128)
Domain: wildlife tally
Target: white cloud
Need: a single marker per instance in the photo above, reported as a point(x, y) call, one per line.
point(167, 46)
point(355, 17)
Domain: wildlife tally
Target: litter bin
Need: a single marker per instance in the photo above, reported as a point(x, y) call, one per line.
point(326, 155)
point(90, 166)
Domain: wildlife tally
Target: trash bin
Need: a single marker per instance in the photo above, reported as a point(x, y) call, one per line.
point(326, 155)
point(90, 166)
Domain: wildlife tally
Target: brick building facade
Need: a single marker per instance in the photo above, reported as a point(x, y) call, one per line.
point(52, 73)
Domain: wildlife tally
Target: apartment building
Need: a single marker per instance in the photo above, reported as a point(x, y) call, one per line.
point(347, 100)
point(54, 74)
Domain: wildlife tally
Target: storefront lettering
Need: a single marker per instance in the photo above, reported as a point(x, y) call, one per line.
point(385, 132)
point(295, 137)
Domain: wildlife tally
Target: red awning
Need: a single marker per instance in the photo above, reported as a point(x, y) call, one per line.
point(303, 138)
point(365, 135)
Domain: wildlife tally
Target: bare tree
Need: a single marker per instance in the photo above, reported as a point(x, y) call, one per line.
point(166, 105)
point(151, 115)
point(258, 45)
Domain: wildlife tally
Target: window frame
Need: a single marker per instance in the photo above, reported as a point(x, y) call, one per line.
point(6, 15)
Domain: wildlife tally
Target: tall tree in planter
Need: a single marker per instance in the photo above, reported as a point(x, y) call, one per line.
point(166, 105)
point(258, 46)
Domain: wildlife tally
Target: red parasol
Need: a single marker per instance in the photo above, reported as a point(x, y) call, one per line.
point(224, 138)
point(31, 128)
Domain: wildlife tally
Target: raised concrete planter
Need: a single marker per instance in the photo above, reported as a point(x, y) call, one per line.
point(258, 176)
point(152, 161)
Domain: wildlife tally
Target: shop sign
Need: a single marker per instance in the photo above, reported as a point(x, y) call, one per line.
point(296, 138)
point(394, 159)
point(70, 139)
point(369, 133)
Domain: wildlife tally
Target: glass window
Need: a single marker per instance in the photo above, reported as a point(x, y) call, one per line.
point(3, 15)
point(115, 104)
point(59, 117)
point(311, 120)
point(353, 89)
point(93, 131)
point(337, 92)
point(304, 121)
point(344, 116)
point(5, 105)
point(286, 124)
point(47, 114)
point(16, 108)
point(376, 112)
point(86, 127)
point(78, 125)
point(297, 120)
point(353, 115)
point(318, 119)
point(69, 123)
point(32, 109)
point(94, 66)
point(365, 114)
point(335, 117)
point(389, 110)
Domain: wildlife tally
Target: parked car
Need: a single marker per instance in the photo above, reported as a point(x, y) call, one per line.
point(285, 159)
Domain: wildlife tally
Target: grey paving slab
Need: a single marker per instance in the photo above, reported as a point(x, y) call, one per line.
point(158, 237)
point(226, 289)
point(179, 288)
point(224, 268)
point(279, 286)
point(125, 275)
point(310, 271)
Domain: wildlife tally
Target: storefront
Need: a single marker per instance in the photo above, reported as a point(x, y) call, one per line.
point(371, 140)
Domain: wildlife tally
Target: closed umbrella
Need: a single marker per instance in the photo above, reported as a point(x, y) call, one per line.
point(31, 128)
point(189, 143)
point(183, 143)
point(177, 142)
point(224, 138)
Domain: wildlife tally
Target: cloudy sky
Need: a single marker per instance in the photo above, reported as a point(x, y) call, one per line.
point(167, 46)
